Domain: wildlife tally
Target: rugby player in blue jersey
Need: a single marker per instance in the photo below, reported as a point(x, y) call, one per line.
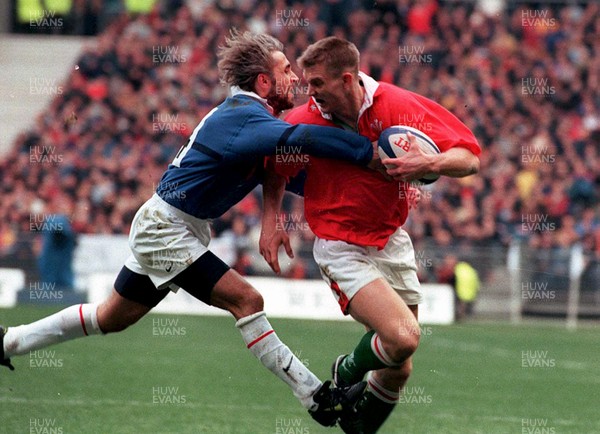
point(221, 163)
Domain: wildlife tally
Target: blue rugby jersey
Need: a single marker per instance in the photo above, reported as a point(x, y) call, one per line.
point(224, 158)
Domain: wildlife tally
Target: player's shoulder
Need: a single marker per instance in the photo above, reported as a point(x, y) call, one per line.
point(307, 113)
point(391, 91)
point(297, 113)
point(391, 96)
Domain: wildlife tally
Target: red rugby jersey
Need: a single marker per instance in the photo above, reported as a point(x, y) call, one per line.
point(347, 202)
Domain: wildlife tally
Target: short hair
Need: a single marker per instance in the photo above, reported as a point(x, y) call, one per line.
point(246, 55)
point(338, 55)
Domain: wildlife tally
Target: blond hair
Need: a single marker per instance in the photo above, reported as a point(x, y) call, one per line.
point(246, 55)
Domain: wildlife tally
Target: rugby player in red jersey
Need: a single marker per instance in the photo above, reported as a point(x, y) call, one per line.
point(356, 214)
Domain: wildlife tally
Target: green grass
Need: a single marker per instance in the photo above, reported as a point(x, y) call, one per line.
point(467, 379)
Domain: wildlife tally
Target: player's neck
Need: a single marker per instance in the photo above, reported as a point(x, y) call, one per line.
point(349, 116)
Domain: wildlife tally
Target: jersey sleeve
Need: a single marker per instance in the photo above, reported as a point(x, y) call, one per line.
point(266, 135)
point(446, 130)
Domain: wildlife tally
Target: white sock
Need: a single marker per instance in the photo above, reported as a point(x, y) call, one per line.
point(262, 340)
point(70, 323)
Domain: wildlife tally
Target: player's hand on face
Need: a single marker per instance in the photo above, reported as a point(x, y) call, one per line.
point(412, 166)
point(269, 242)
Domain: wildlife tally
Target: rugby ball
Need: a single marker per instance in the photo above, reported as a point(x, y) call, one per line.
point(393, 142)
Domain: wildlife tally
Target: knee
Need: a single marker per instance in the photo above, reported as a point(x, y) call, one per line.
point(113, 325)
point(249, 302)
point(410, 342)
point(252, 302)
point(113, 321)
point(404, 344)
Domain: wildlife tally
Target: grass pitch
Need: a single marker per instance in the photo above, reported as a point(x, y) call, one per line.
point(186, 374)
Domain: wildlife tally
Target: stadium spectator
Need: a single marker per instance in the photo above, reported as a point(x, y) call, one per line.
point(465, 282)
point(534, 104)
point(58, 245)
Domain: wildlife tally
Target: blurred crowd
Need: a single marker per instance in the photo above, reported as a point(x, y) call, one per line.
point(524, 77)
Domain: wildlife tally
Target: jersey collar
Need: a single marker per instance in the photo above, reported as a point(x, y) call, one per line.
point(369, 83)
point(236, 90)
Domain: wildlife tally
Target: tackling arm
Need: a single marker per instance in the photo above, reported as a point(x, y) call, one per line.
point(265, 135)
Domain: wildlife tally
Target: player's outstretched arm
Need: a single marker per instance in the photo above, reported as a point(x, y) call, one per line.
point(331, 142)
point(265, 135)
point(455, 162)
point(273, 235)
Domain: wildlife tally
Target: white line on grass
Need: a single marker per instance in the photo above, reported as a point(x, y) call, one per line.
point(132, 403)
point(505, 419)
point(574, 365)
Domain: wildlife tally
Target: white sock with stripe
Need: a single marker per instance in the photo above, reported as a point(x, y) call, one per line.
point(386, 395)
point(263, 342)
point(70, 323)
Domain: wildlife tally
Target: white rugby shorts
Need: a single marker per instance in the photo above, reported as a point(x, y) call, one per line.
point(164, 241)
point(348, 267)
